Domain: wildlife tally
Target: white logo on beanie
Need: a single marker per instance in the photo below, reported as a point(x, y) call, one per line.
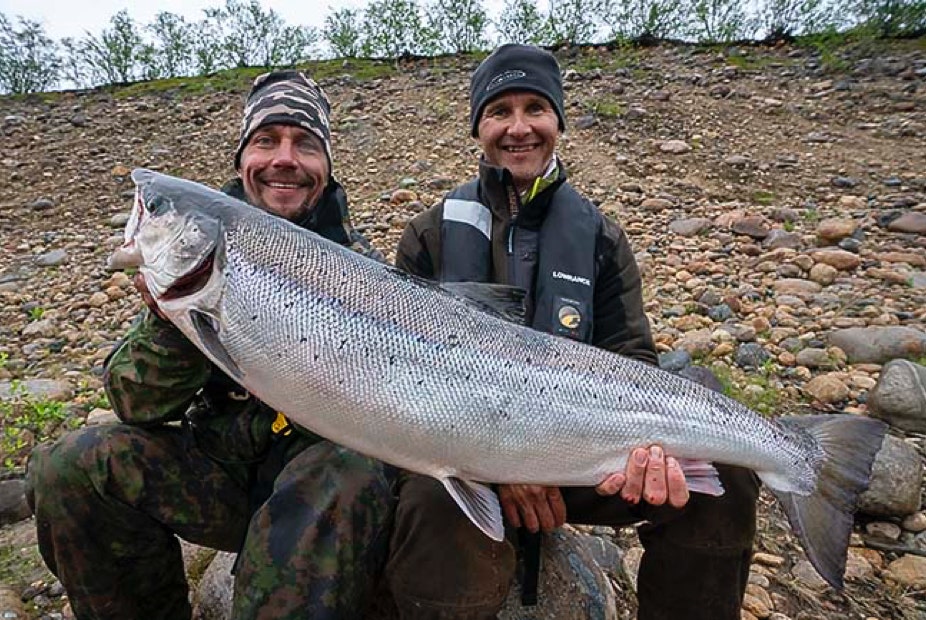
point(505, 76)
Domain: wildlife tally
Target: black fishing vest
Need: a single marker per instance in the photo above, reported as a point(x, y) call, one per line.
point(556, 265)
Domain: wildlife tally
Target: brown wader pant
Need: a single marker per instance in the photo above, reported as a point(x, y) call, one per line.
point(695, 565)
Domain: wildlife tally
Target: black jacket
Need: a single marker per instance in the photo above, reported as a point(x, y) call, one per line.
point(620, 324)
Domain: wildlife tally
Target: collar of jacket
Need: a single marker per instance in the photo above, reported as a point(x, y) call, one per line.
point(496, 186)
point(330, 211)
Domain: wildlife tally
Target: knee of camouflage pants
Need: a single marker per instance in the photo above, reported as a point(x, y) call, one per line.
point(441, 566)
point(316, 546)
point(88, 493)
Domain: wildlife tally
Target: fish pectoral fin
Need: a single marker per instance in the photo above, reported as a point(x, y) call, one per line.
point(480, 503)
point(501, 300)
point(208, 333)
point(701, 477)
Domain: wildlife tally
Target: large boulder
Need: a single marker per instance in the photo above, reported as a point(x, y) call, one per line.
point(877, 345)
point(572, 586)
point(899, 398)
point(13, 506)
point(894, 490)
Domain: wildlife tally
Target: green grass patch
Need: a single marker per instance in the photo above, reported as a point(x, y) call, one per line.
point(763, 197)
point(21, 565)
point(231, 79)
point(240, 79)
point(606, 107)
point(756, 62)
point(756, 391)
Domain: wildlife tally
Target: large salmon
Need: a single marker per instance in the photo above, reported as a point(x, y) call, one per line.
point(437, 382)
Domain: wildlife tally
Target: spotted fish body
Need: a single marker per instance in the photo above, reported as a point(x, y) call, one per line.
point(421, 377)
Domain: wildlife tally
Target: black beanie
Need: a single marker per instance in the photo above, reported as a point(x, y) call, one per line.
point(515, 67)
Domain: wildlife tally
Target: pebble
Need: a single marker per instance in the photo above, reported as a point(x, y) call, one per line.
point(827, 389)
point(402, 196)
point(909, 223)
point(909, 571)
point(915, 522)
point(52, 259)
point(838, 258)
point(768, 559)
point(674, 146)
point(814, 358)
point(883, 530)
point(757, 601)
point(823, 274)
point(98, 299)
point(804, 572)
point(751, 355)
point(832, 230)
point(41, 204)
point(656, 204)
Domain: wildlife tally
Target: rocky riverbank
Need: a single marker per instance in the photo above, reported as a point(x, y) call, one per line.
point(776, 199)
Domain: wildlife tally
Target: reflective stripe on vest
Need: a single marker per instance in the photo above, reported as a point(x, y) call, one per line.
point(564, 286)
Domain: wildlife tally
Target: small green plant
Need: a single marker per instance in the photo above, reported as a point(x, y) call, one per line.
point(811, 216)
point(788, 226)
point(36, 314)
point(4, 358)
point(26, 421)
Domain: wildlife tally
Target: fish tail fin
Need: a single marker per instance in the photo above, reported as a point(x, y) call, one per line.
point(823, 519)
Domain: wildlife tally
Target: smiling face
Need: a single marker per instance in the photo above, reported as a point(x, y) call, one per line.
point(284, 169)
point(518, 130)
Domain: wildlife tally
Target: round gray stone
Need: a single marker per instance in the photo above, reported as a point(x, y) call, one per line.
point(899, 398)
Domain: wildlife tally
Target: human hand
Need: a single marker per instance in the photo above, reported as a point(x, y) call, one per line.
point(533, 506)
point(650, 476)
point(139, 281)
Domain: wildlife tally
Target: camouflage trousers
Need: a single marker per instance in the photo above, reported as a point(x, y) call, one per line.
point(110, 502)
point(695, 564)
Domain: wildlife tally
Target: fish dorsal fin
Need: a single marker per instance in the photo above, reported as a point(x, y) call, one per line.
point(480, 503)
point(209, 337)
point(501, 300)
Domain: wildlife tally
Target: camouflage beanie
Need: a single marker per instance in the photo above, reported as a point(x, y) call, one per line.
point(286, 98)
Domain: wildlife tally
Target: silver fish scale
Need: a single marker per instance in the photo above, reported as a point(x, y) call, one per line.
point(393, 367)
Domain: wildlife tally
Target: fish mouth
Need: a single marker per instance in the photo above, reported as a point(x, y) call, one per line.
point(191, 282)
point(128, 254)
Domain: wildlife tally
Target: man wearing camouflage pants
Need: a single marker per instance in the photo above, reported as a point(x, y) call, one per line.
point(198, 457)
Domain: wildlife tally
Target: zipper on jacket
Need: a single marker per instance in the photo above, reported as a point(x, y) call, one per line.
point(513, 209)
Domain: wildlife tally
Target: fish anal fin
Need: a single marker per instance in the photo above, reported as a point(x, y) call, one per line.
point(209, 337)
point(479, 503)
point(701, 476)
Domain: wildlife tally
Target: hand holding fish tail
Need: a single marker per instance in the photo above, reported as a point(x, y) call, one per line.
point(650, 476)
point(533, 506)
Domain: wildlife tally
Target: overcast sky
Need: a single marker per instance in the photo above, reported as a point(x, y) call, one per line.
point(72, 18)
